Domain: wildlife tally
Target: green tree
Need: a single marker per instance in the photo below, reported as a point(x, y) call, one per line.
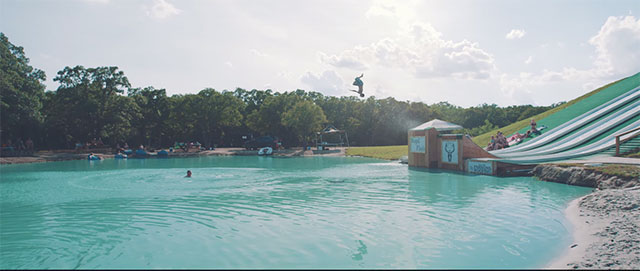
point(304, 119)
point(268, 119)
point(89, 104)
point(205, 117)
point(216, 114)
point(151, 125)
point(21, 93)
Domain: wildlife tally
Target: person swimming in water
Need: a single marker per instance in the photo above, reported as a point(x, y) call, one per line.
point(359, 83)
point(188, 174)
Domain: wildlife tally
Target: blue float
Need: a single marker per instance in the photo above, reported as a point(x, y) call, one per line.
point(141, 153)
point(163, 154)
point(93, 157)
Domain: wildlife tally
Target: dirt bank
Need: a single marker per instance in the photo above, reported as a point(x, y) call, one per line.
point(606, 222)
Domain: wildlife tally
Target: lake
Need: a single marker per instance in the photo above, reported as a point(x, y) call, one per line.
point(268, 212)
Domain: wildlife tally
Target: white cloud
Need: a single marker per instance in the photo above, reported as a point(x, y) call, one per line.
point(617, 49)
point(162, 9)
point(528, 61)
point(403, 10)
point(229, 64)
point(258, 53)
point(97, 1)
point(419, 49)
point(328, 83)
point(285, 75)
point(518, 89)
point(618, 46)
point(515, 34)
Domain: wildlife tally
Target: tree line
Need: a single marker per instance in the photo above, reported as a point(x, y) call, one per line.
point(101, 103)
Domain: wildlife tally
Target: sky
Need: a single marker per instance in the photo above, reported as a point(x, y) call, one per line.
point(467, 53)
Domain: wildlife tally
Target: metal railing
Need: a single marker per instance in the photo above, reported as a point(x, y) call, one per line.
point(620, 142)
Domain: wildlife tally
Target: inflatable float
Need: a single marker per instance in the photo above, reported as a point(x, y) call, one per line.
point(265, 151)
point(163, 154)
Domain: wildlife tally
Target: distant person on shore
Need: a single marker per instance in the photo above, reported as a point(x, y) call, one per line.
point(188, 174)
point(29, 144)
point(20, 144)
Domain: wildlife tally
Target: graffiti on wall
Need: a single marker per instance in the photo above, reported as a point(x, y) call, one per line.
point(417, 144)
point(480, 167)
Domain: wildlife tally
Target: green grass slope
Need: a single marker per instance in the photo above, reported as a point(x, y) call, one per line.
point(568, 111)
point(380, 152)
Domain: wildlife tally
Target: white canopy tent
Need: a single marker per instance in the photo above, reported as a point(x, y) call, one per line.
point(439, 125)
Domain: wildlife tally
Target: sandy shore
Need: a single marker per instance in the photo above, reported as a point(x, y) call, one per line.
point(606, 231)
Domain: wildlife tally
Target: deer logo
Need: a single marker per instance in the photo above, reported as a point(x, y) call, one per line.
point(449, 147)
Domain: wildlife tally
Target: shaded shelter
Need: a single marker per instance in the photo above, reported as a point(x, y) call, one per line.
point(331, 132)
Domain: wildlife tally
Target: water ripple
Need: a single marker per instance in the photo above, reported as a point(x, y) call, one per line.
point(285, 213)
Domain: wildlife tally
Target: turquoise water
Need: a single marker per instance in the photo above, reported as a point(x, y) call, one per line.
point(263, 212)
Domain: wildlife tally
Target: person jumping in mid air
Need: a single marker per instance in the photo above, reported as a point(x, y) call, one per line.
point(358, 82)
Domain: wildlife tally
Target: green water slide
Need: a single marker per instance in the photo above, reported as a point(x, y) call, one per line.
point(598, 146)
point(584, 128)
point(581, 130)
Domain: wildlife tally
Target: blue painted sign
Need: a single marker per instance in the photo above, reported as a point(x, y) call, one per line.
point(480, 167)
point(417, 144)
point(450, 151)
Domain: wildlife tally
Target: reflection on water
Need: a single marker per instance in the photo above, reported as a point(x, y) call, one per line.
point(262, 212)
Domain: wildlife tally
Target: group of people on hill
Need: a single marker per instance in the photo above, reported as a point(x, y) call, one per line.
point(499, 141)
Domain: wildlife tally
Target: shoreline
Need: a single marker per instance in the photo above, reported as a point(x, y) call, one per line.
point(604, 223)
point(579, 233)
point(54, 156)
point(605, 233)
